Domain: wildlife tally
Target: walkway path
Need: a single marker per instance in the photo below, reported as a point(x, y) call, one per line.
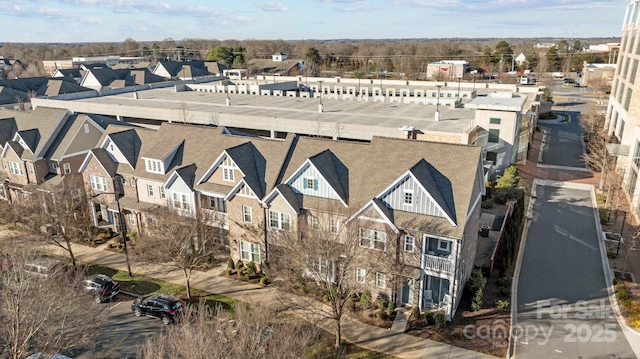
point(389, 341)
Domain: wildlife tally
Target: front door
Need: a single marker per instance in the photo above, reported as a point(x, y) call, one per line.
point(406, 292)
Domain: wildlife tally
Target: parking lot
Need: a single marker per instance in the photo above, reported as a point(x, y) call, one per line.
point(123, 334)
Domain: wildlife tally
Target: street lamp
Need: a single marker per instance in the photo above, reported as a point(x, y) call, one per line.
point(123, 228)
point(438, 99)
point(321, 96)
point(459, 78)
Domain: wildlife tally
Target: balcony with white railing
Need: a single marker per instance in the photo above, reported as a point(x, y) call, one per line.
point(438, 263)
point(216, 219)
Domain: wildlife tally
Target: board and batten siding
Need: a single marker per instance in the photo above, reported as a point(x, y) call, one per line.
point(422, 203)
point(321, 187)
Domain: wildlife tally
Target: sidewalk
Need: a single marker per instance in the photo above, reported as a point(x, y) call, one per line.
point(391, 341)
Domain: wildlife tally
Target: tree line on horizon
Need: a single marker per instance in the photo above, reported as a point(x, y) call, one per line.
point(358, 58)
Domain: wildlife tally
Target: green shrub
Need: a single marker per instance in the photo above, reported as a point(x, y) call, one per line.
point(430, 318)
point(229, 271)
point(487, 204)
point(110, 245)
point(502, 304)
point(611, 254)
point(476, 303)
point(264, 280)
point(505, 292)
point(365, 300)
point(102, 235)
point(382, 315)
point(477, 280)
point(504, 282)
point(251, 268)
point(509, 178)
point(230, 263)
point(505, 194)
point(622, 294)
point(391, 307)
point(440, 319)
point(109, 232)
point(239, 265)
point(604, 215)
point(381, 303)
point(325, 298)
point(415, 312)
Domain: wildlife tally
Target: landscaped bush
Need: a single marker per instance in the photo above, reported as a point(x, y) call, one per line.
point(381, 302)
point(264, 280)
point(382, 315)
point(251, 268)
point(487, 204)
point(230, 263)
point(102, 235)
point(476, 303)
point(391, 307)
point(109, 232)
point(477, 280)
point(604, 215)
point(502, 304)
point(365, 300)
point(229, 271)
point(430, 318)
point(505, 194)
point(239, 265)
point(622, 294)
point(440, 319)
point(509, 178)
point(247, 276)
point(415, 312)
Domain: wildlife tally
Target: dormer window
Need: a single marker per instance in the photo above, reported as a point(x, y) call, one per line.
point(154, 166)
point(227, 174)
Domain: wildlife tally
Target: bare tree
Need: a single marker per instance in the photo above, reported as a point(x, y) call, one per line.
point(181, 240)
point(258, 331)
point(329, 252)
point(43, 314)
point(595, 136)
point(59, 214)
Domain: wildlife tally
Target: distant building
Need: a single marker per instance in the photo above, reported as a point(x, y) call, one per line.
point(51, 66)
point(521, 59)
point(447, 70)
point(594, 72)
point(279, 65)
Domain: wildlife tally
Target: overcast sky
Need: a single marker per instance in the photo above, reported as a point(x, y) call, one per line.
point(155, 20)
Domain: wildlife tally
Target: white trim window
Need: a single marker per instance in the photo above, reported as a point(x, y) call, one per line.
point(333, 225)
point(30, 168)
point(98, 183)
point(181, 201)
point(132, 219)
point(279, 220)
point(381, 280)
point(444, 245)
point(310, 183)
point(154, 166)
point(247, 214)
point(408, 198)
point(371, 238)
point(15, 168)
point(320, 268)
point(315, 222)
point(163, 193)
point(227, 174)
point(250, 251)
point(361, 275)
point(409, 243)
point(150, 190)
point(66, 168)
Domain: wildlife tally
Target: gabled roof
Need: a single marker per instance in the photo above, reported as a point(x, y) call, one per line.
point(31, 138)
point(144, 76)
point(215, 67)
point(189, 71)
point(108, 77)
point(129, 144)
point(334, 172)
point(69, 73)
point(15, 146)
point(438, 187)
point(102, 156)
point(290, 197)
point(8, 128)
point(25, 84)
point(270, 66)
point(174, 67)
point(252, 164)
point(11, 96)
point(55, 87)
point(188, 174)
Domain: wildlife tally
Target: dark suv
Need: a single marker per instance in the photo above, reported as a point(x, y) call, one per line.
point(164, 306)
point(101, 287)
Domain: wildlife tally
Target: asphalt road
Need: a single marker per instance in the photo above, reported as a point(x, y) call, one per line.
point(563, 308)
point(123, 333)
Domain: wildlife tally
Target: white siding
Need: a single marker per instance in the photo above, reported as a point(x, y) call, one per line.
point(422, 202)
point(114, 151)
point(321, 187)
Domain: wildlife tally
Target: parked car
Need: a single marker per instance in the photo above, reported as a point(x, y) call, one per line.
point(101, 287)
point(43, 267)
point(164, 306)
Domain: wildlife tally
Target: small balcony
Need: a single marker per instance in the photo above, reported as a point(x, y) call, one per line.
point(216, 219)
point(438, 263)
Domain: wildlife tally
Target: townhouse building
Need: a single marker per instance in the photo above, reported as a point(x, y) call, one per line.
point(38, 149)
point(417, 202)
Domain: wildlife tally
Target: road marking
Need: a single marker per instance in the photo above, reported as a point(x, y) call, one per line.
point(114, 306)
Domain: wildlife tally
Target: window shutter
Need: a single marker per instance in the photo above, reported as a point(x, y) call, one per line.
point(315, 184)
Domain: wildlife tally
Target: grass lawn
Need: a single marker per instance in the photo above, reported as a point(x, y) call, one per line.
point(142, 286)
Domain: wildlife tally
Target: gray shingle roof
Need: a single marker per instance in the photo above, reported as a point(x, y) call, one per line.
point(8, 128)
point(54, 87)
point(129, 143)
point(334, 172)
point(31, 137)
point(252, 164)
point(438, 186)
point(104, 158)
